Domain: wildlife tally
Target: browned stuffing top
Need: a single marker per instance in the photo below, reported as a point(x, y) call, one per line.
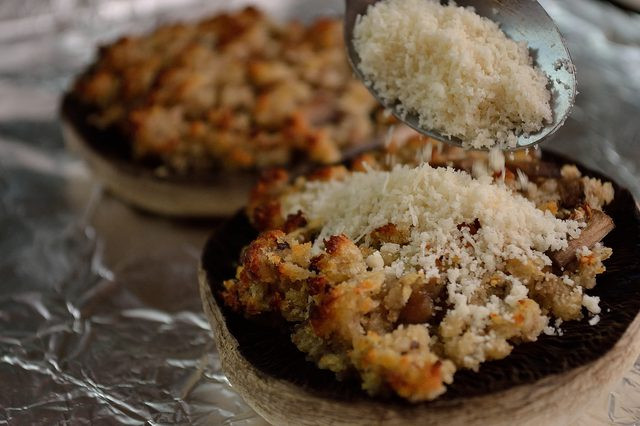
point(234, 91)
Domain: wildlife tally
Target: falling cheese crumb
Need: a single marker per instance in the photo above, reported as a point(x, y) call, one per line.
point(456, 70)
point(375, 261)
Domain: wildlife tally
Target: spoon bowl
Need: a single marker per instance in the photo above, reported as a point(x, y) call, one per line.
point(520, 20)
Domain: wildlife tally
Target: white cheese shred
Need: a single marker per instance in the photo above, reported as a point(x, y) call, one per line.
point(592, 303)
point(434, 204)
point(455, 69)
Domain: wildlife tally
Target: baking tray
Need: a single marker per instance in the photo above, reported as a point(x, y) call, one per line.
point(100, 317)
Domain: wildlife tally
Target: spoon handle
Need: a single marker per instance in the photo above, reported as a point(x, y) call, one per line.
point(353, 8)
point(359, 4)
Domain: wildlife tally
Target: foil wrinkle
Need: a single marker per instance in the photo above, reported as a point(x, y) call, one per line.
point(100, 317)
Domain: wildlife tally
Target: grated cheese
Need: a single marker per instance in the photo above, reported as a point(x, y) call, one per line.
point(375, 261)
point(592, 303)
point(458, 71)
point(432, 203)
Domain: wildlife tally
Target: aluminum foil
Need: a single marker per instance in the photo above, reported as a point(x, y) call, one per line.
point(100, 317)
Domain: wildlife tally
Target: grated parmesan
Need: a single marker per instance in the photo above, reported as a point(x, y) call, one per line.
point(432, 203)
point(375, 261)
point(592, 303)
point(458, 71)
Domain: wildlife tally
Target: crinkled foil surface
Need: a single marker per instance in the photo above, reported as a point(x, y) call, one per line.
point(100, 317)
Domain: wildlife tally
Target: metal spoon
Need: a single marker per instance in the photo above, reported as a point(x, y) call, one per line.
point(520, 20)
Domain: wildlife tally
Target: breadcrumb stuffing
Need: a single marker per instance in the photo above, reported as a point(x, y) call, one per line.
point(404, 275)
point(235, 91)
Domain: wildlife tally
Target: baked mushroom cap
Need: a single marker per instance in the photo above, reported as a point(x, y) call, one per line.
point(179, 121)
point(550, 380)
point(217, 195)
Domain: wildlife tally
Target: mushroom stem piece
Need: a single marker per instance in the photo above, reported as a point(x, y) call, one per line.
point(598, 226)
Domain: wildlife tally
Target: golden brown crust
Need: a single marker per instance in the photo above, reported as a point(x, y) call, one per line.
point(234, 91)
